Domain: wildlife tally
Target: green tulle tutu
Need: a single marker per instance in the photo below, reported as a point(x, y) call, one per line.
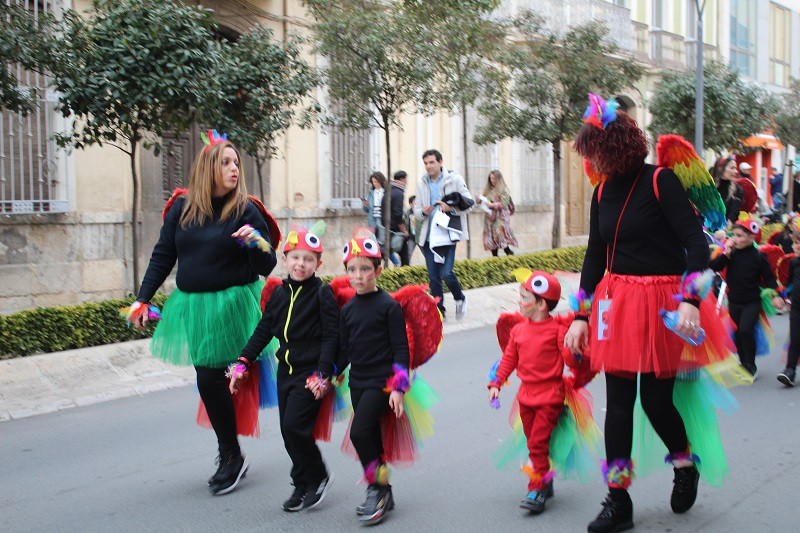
point(697, 396)
point(207, 328)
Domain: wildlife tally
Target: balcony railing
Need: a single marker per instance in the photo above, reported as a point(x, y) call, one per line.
point(669, 50)
point(640, 40)
point(559, 15)
point(710, 53)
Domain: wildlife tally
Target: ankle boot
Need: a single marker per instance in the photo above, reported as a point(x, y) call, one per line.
point(616, 515)
point(684, 488)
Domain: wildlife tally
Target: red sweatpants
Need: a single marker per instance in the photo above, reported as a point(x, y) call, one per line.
point(538, 424)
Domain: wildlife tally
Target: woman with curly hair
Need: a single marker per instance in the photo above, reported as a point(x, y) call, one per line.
point(643, 236)
point(497, 233)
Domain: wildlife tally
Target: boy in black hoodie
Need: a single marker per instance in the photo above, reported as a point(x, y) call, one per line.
point(748, 271)
point(373, 342)
point(304, 316)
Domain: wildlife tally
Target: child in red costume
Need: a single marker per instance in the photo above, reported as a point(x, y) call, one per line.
point(534, 350)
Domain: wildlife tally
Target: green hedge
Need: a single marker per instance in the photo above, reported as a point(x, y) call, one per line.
point(52, 329)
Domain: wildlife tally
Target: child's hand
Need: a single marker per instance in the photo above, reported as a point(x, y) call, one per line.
point(494, 393)
point(396, 403)
point(778, 303)
point(728, 247)
point(236, 383)
point(246, 233)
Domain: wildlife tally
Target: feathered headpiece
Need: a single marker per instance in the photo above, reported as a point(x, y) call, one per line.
point(360, 248)
point(212, 138)
point(306, 239)
point(600, 113)
point(749, 224)
point(539, 283)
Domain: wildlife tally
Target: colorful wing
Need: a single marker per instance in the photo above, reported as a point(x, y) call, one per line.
point(342, 290)
point(676, 153)
point(423, 323)
point(773, 253)
point(269, 287)
point(505, 324)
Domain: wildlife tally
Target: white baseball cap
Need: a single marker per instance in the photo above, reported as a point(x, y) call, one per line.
point(745, 166)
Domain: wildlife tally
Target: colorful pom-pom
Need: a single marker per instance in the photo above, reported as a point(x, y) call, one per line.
point(256, 241)
point(495, 403)
point(696, 285)
point(600, 113)
point(398, 381)
point(619, 474)
point(137, 309)
point(376, 473)
point(679, 457)
point(236, 370)
point(580, 302)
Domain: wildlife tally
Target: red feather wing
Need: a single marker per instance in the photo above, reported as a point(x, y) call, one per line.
point(773, 253)
point(782, 270)
point(773, 238)
point(423, 323)
point(269, 287)
point(177, 193)
point(504, 325)
point(750, 195)
point(342, 291)
point(275, 236)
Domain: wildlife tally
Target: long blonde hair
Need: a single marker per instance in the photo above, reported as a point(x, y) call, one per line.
point(498, 189)
point(206, 169)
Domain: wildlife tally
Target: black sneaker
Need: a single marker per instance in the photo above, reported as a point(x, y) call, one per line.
point(617, 515)
point(379, 501)
point(684, 489)
point(295, 501)
point(231, 470)
point(535, 500)
point(312, 499)
point(787, 376)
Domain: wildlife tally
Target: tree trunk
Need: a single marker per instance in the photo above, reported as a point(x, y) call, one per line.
point(466, 161)
point(135, 212)
point(556, 240)
point(260, 163)
point(386, 214)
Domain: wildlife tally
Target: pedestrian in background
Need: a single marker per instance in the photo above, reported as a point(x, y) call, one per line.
point(725, 174)
point(497, 232)
point(215, 307)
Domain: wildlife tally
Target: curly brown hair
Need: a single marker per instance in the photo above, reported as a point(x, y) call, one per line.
point(615, 151)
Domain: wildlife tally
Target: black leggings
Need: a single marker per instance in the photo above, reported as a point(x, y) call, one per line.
point(794, 337)
point(745, 317)
point(298, 411)
point(656, 397)
point(365, 432)
point(213, 387)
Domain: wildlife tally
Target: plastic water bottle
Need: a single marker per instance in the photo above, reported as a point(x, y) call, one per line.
point(671, 320)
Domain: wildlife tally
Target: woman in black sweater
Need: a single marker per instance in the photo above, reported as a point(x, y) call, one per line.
point(643, 236)
point(221, 242)
point(725, 173)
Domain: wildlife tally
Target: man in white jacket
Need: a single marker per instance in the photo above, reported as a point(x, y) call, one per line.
point(435, 184)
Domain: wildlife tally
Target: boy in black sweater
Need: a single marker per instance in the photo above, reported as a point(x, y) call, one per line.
point(303, 315)
point(748, 271)
point(373, 341)
point(787, 376)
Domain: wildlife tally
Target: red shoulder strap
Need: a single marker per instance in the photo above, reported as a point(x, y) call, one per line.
point(655, 184)
point(177, 193)
point(600, 191)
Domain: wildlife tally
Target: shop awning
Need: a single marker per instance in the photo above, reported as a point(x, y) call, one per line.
point(765, 141)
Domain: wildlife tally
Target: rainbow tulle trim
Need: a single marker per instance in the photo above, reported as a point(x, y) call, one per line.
point(268, 371)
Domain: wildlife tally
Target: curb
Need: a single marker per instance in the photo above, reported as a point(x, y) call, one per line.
point(46, 383)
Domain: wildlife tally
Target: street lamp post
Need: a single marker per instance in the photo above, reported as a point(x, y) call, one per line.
point(698, 100)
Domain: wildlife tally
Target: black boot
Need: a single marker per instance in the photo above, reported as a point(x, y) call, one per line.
point(508, 251)
point(617, 514)
point(684, 489)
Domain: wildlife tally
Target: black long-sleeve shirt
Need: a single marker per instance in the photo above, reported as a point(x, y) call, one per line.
point(304, 317)
point(209, 259)
point(794, 273)
point(372, 337)
point(656, 236)
point(748, 271)
point(398, 203)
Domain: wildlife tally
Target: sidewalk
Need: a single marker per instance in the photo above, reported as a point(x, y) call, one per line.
point(50, 382)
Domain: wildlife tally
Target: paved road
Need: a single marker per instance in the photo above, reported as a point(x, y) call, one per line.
point(140, 464)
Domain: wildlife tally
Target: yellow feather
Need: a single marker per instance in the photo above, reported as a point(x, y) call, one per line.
point(521, 274)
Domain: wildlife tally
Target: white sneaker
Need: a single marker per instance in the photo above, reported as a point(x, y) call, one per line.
point(461, 308)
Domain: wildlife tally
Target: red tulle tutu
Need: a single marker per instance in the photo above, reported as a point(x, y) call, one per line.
point(245, 403)
point(637, 339)
point(399, 445)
